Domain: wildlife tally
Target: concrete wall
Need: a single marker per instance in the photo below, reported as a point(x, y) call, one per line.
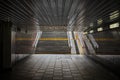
point(15, 44)
point(22, 45)
point(108, 41)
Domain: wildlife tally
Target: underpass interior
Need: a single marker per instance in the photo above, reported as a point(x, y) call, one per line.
point(60, 39)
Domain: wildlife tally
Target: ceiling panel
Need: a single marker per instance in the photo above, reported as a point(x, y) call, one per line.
point(70, 14)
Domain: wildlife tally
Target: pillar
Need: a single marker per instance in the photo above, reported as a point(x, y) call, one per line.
point(5, 44)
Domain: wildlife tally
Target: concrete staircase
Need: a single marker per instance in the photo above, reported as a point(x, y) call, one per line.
point(53, 43)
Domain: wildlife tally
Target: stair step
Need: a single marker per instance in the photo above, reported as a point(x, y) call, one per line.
point(54, 34)
point(53, 48)
point(52, 43)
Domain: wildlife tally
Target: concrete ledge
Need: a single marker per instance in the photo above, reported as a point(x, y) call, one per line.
point(114, 68)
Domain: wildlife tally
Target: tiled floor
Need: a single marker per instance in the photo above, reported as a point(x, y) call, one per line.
point(60, 67)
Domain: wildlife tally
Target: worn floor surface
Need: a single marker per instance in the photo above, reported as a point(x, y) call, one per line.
point(59, 67)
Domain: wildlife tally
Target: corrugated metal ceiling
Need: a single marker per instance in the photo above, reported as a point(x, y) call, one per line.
point(72, 14)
